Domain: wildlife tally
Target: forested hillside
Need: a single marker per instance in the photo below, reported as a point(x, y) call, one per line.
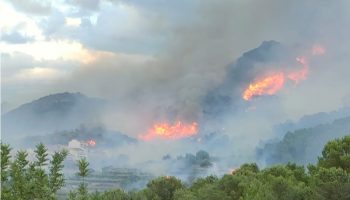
point(303, 145)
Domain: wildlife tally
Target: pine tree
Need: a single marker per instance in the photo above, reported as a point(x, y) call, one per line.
point(21, 179)
point(37, 172)
point(18, 173)
point(83, 165)
point(5, 164)
point(56, 178)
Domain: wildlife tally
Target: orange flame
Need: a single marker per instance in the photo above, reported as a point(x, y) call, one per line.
point(271, 84)
point(268, 85)
point(170, 131)
point(91, 143)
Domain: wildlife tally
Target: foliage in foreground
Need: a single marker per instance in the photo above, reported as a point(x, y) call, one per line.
point(40, 179)
point(329, 179)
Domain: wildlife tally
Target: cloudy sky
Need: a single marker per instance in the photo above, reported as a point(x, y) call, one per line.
point(122, 49)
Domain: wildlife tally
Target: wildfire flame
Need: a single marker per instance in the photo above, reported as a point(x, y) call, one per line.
point(170, 131)
point(91, 143)
point(269, 85)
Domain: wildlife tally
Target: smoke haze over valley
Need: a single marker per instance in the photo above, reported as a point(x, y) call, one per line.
point(181, 88)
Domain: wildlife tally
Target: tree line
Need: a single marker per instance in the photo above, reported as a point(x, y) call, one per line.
point(328, 179)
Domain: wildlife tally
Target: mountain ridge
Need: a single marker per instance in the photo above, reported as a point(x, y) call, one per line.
point(54, 112)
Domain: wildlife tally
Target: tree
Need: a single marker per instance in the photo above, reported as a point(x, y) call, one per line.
point(40, 181)
point(234, 185)
point(137, 195)
point(336, 153)
point(211, 192)
point(165, 187)
point(116, 194)
point(22, 179)
point(201, 182)
point(56, 178)
point(281, 182)
point(248, 169)
point(18, 173)
point(330, 184)
point(82, 193)
point(5, 164)
point(184, 194)
point(202, 155)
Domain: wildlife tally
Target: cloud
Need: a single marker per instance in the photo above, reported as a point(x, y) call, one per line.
point(73, 21)
point(134, 29)
point(39, 73)
point(24, 78)
point(53, 50)
point(16, 38)
point(130, 31)
point(92, 5)
point(17, 25)
point(53, 23)
point(33, 7)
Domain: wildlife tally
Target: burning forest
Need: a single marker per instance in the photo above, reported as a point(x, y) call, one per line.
point(272, 83)
point(134, 90)
point(177, 130)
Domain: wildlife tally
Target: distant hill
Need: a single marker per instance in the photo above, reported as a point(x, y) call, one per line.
point(302, 146)
point(312, 120)
point(103, 137)
point(56, 112)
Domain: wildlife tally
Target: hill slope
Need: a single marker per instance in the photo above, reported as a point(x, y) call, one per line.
point(303, 145)
point(51, 113)
point(103, 137)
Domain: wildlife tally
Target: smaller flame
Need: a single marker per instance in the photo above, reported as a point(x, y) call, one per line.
point(91, 143)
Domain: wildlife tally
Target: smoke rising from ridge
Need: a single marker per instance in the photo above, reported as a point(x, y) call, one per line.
point(211, 53)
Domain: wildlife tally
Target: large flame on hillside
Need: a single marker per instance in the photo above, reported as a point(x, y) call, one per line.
point(269, 85)
point(173, 131)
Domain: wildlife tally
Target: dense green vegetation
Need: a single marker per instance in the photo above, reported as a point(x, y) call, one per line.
point(40, 179)
point(329, 179)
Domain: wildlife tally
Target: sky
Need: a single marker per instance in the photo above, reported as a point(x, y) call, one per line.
point(129, 49)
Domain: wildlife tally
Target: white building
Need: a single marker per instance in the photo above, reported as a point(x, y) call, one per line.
point(76, 150)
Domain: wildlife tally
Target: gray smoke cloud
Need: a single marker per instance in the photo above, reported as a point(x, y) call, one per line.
point(199, 50)
point(174, 83)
